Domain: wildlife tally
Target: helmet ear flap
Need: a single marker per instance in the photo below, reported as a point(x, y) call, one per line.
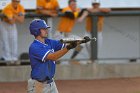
point(35, 32)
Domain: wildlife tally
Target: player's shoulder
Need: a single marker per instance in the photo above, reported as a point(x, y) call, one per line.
point(66, 9)
point(8, 6)
point(56, 1)
point(51, 40)
point(21, 6)
point(32, 45)
point(41, 2)
point(35, 44)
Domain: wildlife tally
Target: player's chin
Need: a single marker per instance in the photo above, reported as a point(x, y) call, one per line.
point(45, 36)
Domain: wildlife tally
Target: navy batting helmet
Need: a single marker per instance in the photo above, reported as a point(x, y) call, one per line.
point(36, 25)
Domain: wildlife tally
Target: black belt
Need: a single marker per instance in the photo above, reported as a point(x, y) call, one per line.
point(48, 81)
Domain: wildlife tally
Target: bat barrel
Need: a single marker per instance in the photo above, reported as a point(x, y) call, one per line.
point(75, 40)
point(70, 41)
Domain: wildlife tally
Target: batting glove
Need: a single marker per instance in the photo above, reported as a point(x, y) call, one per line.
point(71, 45)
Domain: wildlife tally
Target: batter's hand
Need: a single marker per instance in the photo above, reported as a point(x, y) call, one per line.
point(72, 45)
point(86, 39)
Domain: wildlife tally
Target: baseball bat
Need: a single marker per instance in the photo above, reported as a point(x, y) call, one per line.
point(75, 40)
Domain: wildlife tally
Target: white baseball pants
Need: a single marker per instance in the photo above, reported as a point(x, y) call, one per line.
point(45, 88)
point(9, 41)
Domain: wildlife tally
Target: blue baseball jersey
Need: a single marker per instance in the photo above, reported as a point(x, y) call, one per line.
point(42, 69)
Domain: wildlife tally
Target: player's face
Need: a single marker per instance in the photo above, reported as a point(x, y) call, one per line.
point(96, 5)
point(44, 32)
point(73, 5)
point(15, 3)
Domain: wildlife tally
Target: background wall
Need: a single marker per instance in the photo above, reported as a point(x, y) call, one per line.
point(31, 4)
point(121, 37)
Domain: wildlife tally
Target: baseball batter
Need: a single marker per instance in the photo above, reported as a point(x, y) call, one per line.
point(13, 12)
point(43, 53)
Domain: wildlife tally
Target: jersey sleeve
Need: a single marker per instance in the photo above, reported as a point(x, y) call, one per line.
point(56, 4)
point(64, 10)
point(39, 53)
point(57, 45)
point(8, 13)
point(22, 11)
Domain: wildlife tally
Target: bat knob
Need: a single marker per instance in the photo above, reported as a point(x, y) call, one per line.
point(61, 40)
point(95, 38)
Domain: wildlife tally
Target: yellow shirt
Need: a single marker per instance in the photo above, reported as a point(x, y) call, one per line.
point(9, 11)
point(99, 24)
point(51, 5)
point(66, 24)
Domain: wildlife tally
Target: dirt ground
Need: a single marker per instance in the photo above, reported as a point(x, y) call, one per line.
point(123, 85)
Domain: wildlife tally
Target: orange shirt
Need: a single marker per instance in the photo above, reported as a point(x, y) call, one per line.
point(51, 5)
point(99, 24)
point(9, 11)
point(66, 24)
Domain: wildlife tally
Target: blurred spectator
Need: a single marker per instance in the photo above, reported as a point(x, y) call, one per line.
point(50, 8)
point(95, 8)
point(13, 12)
point(66, 24)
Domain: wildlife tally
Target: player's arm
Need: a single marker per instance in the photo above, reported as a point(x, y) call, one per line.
point(44, 12)
point(9, 20)
point(49, 12)
point(8, 16)
point(56, 55)
point(105, 10)
point(84, 13)
point(19, 18)
point(52, 13)
point(40, 8)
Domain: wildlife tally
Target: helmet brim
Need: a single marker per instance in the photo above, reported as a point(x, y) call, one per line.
point(48, 27)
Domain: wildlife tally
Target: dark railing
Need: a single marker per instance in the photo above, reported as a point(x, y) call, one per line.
point(112, 13)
